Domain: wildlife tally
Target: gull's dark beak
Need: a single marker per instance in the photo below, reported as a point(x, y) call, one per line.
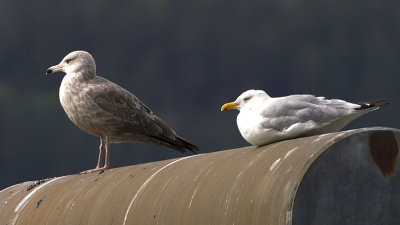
point(54, 69)
point(49, 70)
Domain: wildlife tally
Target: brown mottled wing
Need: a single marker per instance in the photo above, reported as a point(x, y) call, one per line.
point(127, 114)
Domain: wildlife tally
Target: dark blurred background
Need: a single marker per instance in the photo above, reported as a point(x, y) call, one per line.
point(184, 59)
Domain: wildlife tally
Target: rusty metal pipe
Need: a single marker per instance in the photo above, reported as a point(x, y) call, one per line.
point(337, 178)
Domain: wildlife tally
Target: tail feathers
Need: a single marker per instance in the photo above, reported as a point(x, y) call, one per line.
point(179, 144)
point(372, 104)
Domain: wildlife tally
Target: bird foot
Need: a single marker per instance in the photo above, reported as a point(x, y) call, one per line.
point(94, 170)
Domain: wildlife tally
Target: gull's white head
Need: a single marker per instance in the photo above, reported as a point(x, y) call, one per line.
point(75, 62)
point(245, 99)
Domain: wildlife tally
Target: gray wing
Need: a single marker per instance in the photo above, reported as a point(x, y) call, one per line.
point(304, 110)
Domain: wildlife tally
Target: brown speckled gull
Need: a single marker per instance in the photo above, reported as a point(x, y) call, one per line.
point(106, 110)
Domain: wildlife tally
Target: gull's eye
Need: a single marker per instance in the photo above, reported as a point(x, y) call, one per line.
point(68, 61)
point(246, 99)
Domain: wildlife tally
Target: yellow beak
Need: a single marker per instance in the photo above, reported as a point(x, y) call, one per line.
point(228, 106)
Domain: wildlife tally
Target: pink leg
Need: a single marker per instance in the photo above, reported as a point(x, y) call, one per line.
point(101, 153)
point(100, 160)
point(107, 158)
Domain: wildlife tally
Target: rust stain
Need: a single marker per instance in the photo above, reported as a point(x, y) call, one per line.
point(384, 151)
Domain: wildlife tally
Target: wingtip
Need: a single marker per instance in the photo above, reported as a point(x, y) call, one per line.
point(189, 146)
point(373, 104)
point(193, 148)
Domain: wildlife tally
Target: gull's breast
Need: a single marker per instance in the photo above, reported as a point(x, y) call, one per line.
point(79, 109)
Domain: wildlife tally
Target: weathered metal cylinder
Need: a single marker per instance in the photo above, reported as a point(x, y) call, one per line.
point(349, 177)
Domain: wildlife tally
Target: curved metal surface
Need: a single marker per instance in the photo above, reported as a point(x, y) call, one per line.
point(354, 181)
point(240, 186)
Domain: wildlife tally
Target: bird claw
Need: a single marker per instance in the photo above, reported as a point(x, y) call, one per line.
point(94, 170)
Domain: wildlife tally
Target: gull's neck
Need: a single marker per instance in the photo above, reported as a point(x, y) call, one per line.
point(73, 82)
point(81, 76)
